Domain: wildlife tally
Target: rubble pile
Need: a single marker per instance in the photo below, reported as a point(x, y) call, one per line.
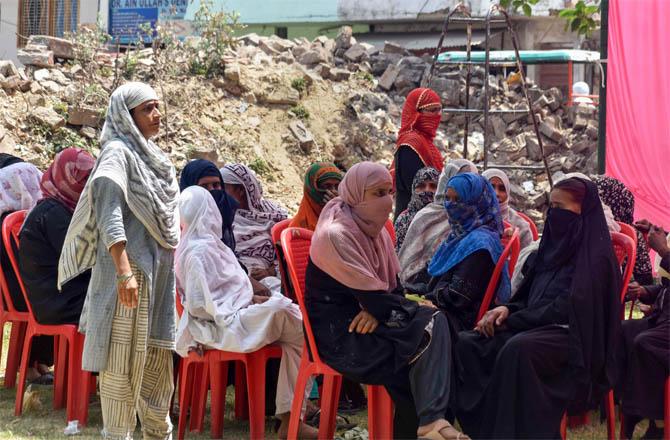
point(281, 104)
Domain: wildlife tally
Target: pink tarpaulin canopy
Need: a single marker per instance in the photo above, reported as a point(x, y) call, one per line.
point(638, 103)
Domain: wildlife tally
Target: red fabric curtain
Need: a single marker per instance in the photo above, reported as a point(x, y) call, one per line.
point(638, 103)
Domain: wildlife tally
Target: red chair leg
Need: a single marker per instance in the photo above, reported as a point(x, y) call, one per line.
point(329, 403)
point(185, 391)
point(199, 399)
point(611, 415)
point(380, 413)
point(241, 400)
point(298, 397)
point(218, 373)
point(564, 426)
point(85, 380)
point(16, 339)
point(256, 394)
point(60, 371)
point(23, 371)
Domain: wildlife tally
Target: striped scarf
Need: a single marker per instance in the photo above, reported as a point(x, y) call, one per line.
point(142, 171)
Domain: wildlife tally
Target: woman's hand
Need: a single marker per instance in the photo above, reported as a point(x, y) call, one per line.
point(658, 241)
point(643, 226)
point(363, 323)
point(258, 299)
point(259, 274)
point(427, 303)
point(635, 291)
point(259, 288)
point(128, 292)
point(329, 195)
point(492, 319)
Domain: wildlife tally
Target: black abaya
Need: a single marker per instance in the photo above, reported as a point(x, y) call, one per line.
point(556, 348)
point(399, 354)
point(644, 355)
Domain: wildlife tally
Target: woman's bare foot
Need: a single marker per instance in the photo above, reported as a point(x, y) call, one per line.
point(440, 429)
point(304, 430)
point(32, 374)
point(43, 369)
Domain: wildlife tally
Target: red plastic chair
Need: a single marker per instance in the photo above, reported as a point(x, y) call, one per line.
point(296, 243)
point(389, 227)
point(19, 321)
point(275, 232)
point(628, 231)
point(70, 355)
point(531, 223)
point(510, 255)
point(198, 374)
point(625, 250)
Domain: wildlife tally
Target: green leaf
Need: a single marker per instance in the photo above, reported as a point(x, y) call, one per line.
point(533, 2)
point(580, 6)
point(567, 13)
point(592, 9)
point(527, 10)
point(575, 24)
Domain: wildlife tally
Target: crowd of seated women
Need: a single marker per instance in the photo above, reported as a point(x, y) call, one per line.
point(402, 314)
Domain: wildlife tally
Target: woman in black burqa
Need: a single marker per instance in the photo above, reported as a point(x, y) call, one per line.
point(553, 346)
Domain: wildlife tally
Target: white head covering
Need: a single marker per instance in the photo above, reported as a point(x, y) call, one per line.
point(208, 274)
point(142, 171)
point(19, 187)
point(508, 213)
point(430, 225)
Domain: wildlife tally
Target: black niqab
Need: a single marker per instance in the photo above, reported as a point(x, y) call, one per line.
point(8, 159)
point(196, 170)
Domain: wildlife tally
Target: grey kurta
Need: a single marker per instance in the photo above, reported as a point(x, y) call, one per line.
point(117, 223)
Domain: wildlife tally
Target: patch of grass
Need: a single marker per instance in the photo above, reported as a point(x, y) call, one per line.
point(365, 76)
point(61, 108)
point(299, 84)
point(66, 138)
point(300, 112)
point(260, 166)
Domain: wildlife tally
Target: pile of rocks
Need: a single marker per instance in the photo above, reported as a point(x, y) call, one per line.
point(284, 103)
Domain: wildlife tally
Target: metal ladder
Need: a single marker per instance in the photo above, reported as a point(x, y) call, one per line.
point(495, 15)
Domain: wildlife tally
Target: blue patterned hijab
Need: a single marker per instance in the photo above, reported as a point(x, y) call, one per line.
point(476, 224)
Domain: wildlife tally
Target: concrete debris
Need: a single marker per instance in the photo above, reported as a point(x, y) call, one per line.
point(350, 94)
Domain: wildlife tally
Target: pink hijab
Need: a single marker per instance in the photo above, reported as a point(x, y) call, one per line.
point(350, 242)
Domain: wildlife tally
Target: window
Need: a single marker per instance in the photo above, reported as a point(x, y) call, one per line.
point(46, 17)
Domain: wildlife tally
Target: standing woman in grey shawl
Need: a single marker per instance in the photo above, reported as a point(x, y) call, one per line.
point(428, 228)
point(125, 228)
point(253, 221)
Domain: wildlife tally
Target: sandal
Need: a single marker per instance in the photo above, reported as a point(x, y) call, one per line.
point(342, 423)
point(444, 431)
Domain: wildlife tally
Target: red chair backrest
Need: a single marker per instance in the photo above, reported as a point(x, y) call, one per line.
point(531, 223)
point(510, 255)
point(275, 233)
point(10, 235)
point(296, 243)
point(389, 227)
point(625, 250)
point(629, 231)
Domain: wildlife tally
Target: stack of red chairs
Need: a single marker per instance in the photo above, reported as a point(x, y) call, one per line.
point(69, 344)
point(295, 243)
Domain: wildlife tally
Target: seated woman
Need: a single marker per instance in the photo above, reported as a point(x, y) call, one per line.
point(500, 183)
point(554, 345)
point(621, 201)
point(644, 356)
point(423, 193)
point(253, 221)
point(427, 230)
point(204, 173)
point(363, 325)
point(321, 182)
point(220, 309)
point(464, 262)
point(20, 190)
point(42, 238)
